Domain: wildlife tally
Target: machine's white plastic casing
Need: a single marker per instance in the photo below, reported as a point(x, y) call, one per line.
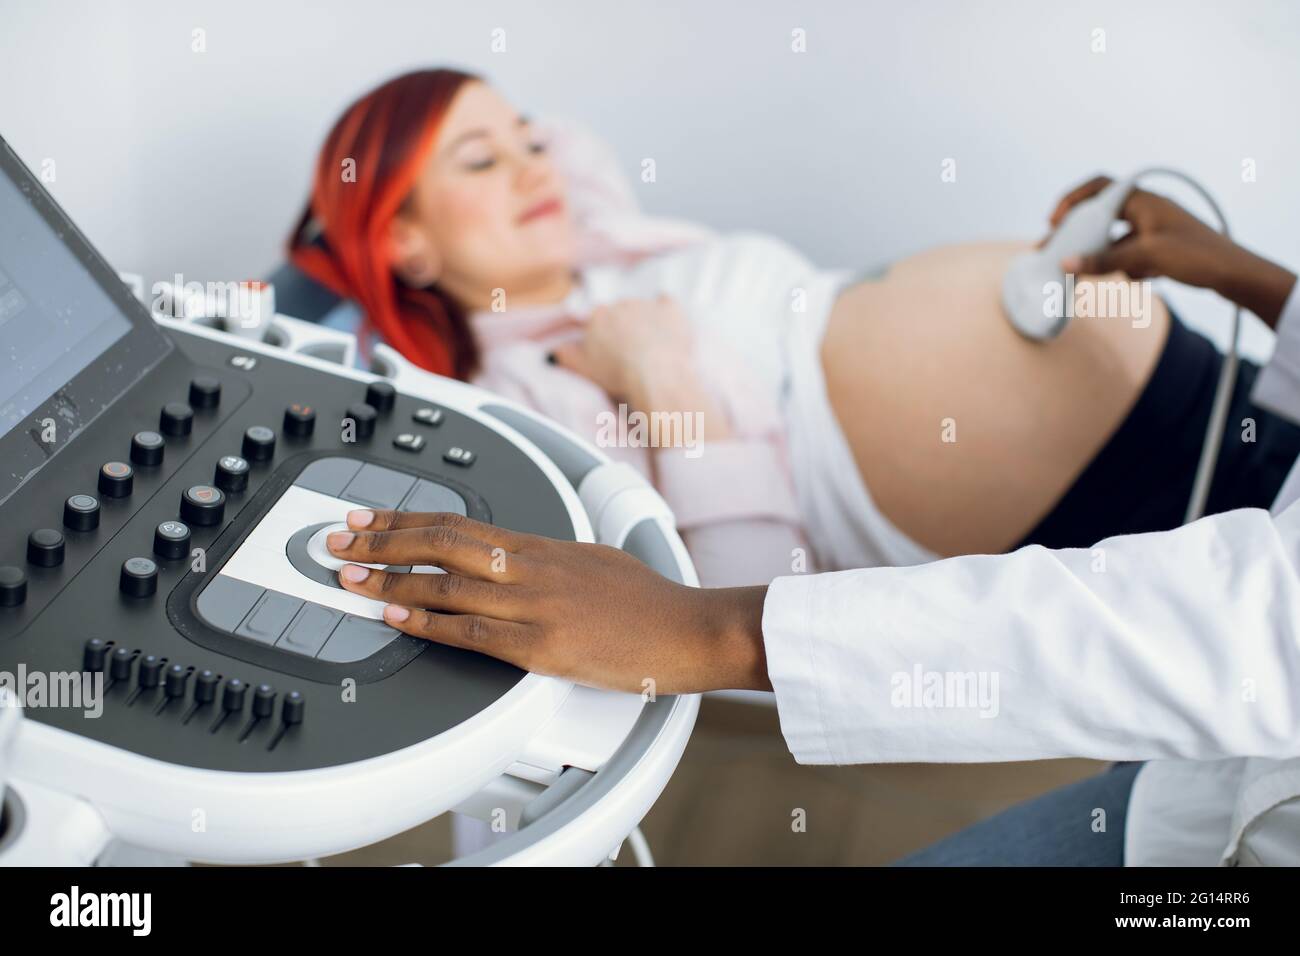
point(88, 793)
point(1033, 285)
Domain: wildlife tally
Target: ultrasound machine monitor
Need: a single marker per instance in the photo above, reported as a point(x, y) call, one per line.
point(165, 490)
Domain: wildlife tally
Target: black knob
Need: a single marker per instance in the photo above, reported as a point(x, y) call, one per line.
point(151, 671)
point(96, 654)
point(294, 705)
point(363, 419)
point(171, 540)
point(81, 513)
point(139, 577)
point(45, 548)
point(13, 586)
point(231, 473)
point(119, 665)
point(177, 677)
point(176, 418)
point(205, 392)
point(232, 698)
point(259, 443)
point(205, 687)
point(147, 448)
point(203, 505)
point(116, 479)
point(264, 700)
point(299, 420)
point(381, 395)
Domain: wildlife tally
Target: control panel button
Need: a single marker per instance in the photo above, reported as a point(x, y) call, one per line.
point(299, 420)
point(120, 664)
point(116, 479)
point(205, 392)
point(96, 655)
point(408, 442)
point(378, 486)
point(45, 548)
point(294, 706)
point(264, 700)
point(203, 505)
point(205, 687)
point(147, 448)
point(458, 456)
point(139, 577)
point(381, 396)
point(178, 677)
point(259, 443)
point(428, 416)
point(176, 418)
point(151, 666)
point(429, 496)
point(81, 513)
point(232, 697)
point(231, 473)
point(362, 417)
point(13, 586)
point(171, 540)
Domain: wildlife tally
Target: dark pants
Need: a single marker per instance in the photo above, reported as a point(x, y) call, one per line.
point(1142, 478)
point(1060, 828)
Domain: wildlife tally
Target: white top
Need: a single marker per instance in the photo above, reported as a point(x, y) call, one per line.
point(1181, 648)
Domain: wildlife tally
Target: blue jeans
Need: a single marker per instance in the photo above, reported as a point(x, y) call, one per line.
point(1056, 829)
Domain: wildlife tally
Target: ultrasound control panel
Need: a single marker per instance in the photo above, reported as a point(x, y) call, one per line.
point(165, 496)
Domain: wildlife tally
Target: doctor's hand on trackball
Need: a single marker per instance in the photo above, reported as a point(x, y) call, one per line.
point(587, 612)
point(1167, 240)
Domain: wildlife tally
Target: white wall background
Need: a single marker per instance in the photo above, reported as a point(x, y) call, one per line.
point(172, 160)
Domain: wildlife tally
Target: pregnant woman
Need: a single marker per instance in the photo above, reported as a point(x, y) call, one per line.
point(882, 418)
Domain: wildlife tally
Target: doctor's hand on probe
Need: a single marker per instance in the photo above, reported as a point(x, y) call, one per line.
point(587, 612)
point(1167, 240)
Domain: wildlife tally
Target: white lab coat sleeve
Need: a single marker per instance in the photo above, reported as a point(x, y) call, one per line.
point(1278, 386)
point(1184, 643)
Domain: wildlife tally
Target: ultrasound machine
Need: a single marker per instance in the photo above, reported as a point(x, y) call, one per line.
point(166, 484)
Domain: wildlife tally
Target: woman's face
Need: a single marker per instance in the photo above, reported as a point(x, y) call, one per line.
point(488, 209)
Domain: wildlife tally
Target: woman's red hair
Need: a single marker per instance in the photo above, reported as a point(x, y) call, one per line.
point(366, 170)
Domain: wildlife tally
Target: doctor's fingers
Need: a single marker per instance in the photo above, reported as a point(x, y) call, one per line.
point(380, 520)
point(511, 642)
point(443, 545)
point(442, 592)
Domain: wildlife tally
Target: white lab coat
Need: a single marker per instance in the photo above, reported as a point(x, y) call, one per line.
point(1179, 648)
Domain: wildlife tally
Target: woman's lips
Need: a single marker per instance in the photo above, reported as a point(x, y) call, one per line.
point(548, 207)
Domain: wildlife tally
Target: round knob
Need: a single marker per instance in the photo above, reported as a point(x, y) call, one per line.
point(363, 418)
point(119, 665)
point(151, 671)
point(259, 443)
point(116, 479)
point(299, 420)
point(294, 705)
point(205, 392)
point(203, 505)
point(96, 655)
point(232, 698)
point(176, 418)
point(81, 513)
point(147, 448)
point(45, 548)
point(139, 577)
point(177, 677)
point(264, 700)
point(171, 540)
point(231, 473)
point(205, 687)
point(381, 395)
point(13, 586)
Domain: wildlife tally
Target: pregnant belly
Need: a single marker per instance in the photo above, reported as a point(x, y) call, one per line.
point(965, 433)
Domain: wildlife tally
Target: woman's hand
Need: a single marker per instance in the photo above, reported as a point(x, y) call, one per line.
point(1167, 240)
point(588, 612)
point(640, 351)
